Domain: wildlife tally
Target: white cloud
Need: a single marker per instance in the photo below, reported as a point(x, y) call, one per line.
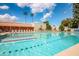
point(44, 18)
point(49, 14)
point(36, 7)
point(22, 4)
point(7, 18)
point(4, 7)
point(39, 7)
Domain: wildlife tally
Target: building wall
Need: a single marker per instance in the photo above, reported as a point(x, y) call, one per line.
point(43, 26)
point(15, 29)
point(39, 26)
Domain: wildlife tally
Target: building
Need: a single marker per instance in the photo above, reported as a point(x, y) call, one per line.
point(15, 27)
point(39, 26)
point(36, 26)
point(43, 26)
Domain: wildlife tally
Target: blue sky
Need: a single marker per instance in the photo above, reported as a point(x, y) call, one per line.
point(58, 12)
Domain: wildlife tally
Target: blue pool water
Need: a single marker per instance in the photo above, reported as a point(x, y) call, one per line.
point(44, 44)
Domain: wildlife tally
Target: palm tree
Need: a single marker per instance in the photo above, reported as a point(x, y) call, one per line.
point(32, 15)
point(25, 14)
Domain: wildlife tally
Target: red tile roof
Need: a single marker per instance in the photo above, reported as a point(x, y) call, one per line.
point(15, 24)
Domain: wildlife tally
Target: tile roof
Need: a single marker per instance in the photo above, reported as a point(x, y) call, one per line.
point(16, 24)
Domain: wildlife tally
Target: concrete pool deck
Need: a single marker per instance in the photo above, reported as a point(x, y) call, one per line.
point(72, 51)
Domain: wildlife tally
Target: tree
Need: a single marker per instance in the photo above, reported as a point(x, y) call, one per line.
point(61, 28)
point(76, 11)
point(25, 14)
point(75, 21)
point(48, 26)
point(66, 22)
point(32, 15)
point(73, 24)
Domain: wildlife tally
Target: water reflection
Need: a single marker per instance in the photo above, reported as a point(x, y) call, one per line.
point(64, 34)
point(48, 35)
point(45, 35)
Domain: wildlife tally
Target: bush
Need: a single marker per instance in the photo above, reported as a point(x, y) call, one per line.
point(48, 26)
point(61, 28)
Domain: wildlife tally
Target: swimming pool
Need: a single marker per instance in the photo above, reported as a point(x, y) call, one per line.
point(44, 44)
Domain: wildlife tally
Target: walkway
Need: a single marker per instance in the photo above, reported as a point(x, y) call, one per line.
point(72, 51)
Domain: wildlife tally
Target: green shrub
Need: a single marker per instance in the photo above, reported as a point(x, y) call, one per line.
point(61, 28)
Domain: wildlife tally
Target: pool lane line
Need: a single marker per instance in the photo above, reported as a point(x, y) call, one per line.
point(19, 40)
